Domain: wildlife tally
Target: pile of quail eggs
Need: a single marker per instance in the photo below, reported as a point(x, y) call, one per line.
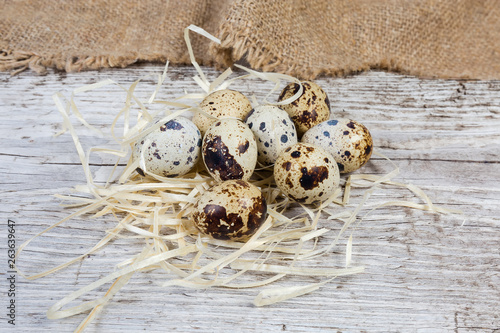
point(307, 149)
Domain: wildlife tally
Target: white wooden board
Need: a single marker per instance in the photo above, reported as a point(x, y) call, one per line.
point(423, 272)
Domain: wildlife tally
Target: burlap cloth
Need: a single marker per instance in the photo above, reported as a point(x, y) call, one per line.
point(428, 38)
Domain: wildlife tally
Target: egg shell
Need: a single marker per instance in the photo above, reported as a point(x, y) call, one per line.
point(274, 131)
point(348, 141)
point(306, 173)
point(224, 103)
point(229, 150)
point(233, 210)
point(310, 109)
point(171, 150)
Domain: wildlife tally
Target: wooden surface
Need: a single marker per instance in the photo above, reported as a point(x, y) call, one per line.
point(424, 272)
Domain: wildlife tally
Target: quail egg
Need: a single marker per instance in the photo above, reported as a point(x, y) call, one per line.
point(171, 150)
point(348, 141)
point(229, 150)
point(306, 173)
point(224, 103)
point(233, 210)
point(274, 131)
point(310, 109)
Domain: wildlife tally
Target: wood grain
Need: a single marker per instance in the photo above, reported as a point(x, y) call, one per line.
point(423, 272)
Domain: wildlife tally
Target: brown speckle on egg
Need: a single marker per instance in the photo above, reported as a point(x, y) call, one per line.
point(139, 171)
point(310, 109)
point(231, 210)
point(164, 151)
point(244, 147)
point(306, 173)
point(311, 177)
point(274, 131)
point(229, 150)
point(224, 103)
point(173, 125)
point(214, 216)
point(218, 158)
point(348, 141)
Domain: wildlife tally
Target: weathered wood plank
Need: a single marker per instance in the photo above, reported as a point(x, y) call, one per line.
point(424, 272)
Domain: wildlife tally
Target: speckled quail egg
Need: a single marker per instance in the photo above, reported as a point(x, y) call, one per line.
point(229, 150)
point(233, 210)
point(310, 109)
point(306, 173)
point(274, 131)
point(224, 103)
point(171, 150)
point(348, 141)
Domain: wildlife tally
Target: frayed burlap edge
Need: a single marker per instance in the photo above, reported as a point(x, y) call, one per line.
point(18, 61)
point(236, 45)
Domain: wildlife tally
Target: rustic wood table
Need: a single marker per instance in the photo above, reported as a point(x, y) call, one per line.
point(423, 271)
